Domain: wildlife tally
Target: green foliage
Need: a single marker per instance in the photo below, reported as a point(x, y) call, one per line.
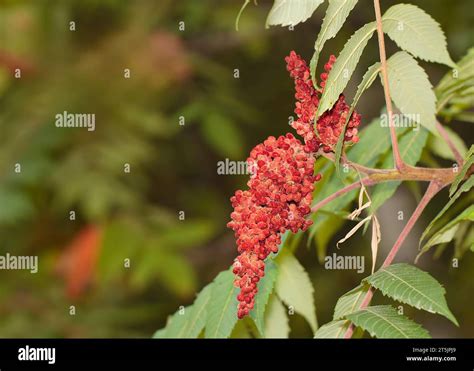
point(344, 66)
point(178, 235)
point(401, 282)
point(198, 313)
point(454, 91)
point(383, 321)
point(366, 82)
point(410, 285)
point(350, 301)
point(172, 165)
point(465, 187)
point(332, 330)
point(188, 322)
point(222, 312)
point(294, 287)
point(156, 252)
point(449, 231)
point(276, 319)
point(469, 161)
point(439, 147)
point(411, 90)
point(176, 325)
point(336, 14)
point(265, 288)
point(416, 32)
point(291, 12)
point(16, 206)
point(215, 308)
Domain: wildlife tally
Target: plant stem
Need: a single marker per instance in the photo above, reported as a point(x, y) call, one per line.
point(342, 191)
point(356, 166)
point(438, 176)
point(398, 161)
point(433, 188)
point(449, 142)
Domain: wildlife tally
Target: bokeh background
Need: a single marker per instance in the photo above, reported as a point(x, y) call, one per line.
point(119, 215)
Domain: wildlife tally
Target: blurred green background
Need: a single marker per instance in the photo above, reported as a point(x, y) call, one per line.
point(127, 260)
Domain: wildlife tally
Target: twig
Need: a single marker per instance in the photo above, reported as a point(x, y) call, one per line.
point(449, 142)
point(439, 176)
point(356, 166)
point(342, 191)
point(399, 164)
point(433, 188)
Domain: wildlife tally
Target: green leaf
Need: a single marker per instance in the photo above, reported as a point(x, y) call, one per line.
point(464, 116)
point(176, 324)
point(244, 329)
point(416, 32)
point(333, 330)
point(439, 146)
point(447, 233)
point(383, 322)
point(468, 162)
point(188, 322)
point(412, 286)
point(366, 82)
point(344, 66)
point(291, 12)
point(464, 239)
point(276, 320)
point(411, 90)
point(336, 14)
point(411, 147)
point(294, 287)
point(350, 301)
point(160, 334)
point(440, 237)
point(222, 313)
point(265, 288)
point(458, 76)
point(374, 142)
point(456, 89)
point(197, 317)
point(465, 187)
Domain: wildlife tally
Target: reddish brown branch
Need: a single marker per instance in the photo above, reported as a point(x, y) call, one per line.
point(342, 191)
point(440, 176)
point(399, 164)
